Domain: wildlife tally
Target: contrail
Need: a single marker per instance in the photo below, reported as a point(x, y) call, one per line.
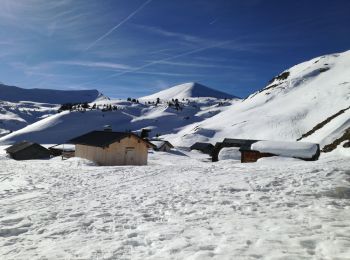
point(119, 24)
point(170, 58)
point(159, 61)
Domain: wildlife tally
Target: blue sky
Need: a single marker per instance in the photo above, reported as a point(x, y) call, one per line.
point(138, 47)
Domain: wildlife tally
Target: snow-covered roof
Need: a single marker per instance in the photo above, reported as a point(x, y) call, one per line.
point(160, 143)
point(288, 149)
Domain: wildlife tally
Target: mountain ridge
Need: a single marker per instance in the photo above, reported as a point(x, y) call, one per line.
point(52, 96)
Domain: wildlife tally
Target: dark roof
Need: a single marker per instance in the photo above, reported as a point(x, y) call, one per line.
point(19, 146)
point(199, 146)
point(238, 142)
point(102, 138)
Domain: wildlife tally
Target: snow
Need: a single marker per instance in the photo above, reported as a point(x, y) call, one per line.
point(288, 149)
point(229, 153)
point(177, 207)
point(332, 130)
point(16, 115)
point(185, 91)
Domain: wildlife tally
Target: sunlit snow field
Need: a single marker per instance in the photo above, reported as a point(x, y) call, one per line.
point(180, 206)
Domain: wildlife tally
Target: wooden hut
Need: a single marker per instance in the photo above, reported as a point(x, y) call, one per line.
point(112, 148)
point(203, 147)
point(161, 145)
point(27, 151)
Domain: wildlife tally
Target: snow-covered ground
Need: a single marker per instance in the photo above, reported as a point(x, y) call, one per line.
point(180, 206)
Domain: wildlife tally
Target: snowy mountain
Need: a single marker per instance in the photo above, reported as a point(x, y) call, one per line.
point(291, 105)
point(187, 90)
point(16, 94)
point(161, 118)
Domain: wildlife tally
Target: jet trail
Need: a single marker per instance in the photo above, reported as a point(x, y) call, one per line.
point(119, 24)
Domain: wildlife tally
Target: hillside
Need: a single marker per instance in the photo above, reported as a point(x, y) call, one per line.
point(16, 115)
point(292, 104)
point(16, 94)
point(187, 90)
point(161, 118)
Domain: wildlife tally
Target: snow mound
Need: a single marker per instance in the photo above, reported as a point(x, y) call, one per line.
point(187, 90)
point(229, 153)
point(16, 94)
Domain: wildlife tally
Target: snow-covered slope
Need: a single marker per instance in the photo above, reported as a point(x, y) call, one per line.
point(187, 90)
point(291, 104)
point(161, 118)
point(16, 115)
point(16, 94)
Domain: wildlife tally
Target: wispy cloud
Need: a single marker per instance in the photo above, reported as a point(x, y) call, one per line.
point(184, 54)
point(198, 65)
point(139, 69)
point(159, 73)
point(237, 44)
point(94, 64)
point(167, 33)
point(118, 25)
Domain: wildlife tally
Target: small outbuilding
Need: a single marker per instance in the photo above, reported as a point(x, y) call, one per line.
point(64, 150)
point(112, 148)
point(27, 151)
point(260, 149)
point(206, 148)
point(162, 145)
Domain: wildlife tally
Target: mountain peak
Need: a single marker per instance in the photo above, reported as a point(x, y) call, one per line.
point(188, 90)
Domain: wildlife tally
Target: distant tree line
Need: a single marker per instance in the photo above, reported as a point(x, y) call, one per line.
point(82, 107)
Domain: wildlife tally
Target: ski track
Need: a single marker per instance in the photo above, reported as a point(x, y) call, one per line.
point(177, 207)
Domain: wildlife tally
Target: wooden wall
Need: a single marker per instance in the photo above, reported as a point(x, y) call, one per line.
point(129, 151)
point(253, 156)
